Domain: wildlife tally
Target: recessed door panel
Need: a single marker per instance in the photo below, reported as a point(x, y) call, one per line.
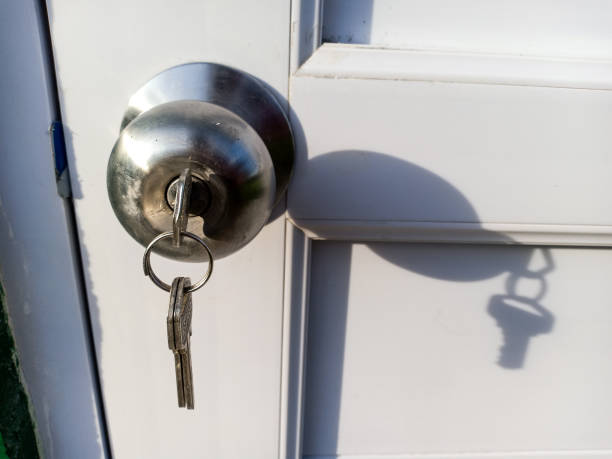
point(423, 349)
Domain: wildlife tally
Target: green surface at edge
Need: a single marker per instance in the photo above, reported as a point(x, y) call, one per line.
point(3, 454)
point(17, 432)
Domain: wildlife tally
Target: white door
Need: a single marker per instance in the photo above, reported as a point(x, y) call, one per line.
point(359, 323)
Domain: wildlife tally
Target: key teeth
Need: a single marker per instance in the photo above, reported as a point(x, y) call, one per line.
point(188, 381)
point(187, 378)
point(512, 354)
point(180, 389)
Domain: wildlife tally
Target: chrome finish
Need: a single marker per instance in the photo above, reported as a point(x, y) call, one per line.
point(229, 88)
point(219, 148)
point(148, 270)
point(181, 201)
point(232, 134)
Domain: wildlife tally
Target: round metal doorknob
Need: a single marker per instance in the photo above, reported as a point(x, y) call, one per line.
point(228, 130)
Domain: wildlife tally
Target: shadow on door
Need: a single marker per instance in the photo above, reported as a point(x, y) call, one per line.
point(381, 184)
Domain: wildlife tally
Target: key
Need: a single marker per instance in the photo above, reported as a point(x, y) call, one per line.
point(177, 286)
point(182, 339)
point(180, 214)
point(178, 324)
point(178, 320)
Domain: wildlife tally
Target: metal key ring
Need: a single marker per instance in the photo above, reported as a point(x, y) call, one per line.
point(146, 262)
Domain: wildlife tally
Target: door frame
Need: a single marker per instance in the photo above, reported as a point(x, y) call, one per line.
point(41, 265)
point(294, 340)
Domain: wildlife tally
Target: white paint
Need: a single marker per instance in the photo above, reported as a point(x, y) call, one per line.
point(448, 144)
point(36, 257)
point(571, 28)
point(403, 352)
point(366, 62)
point(236, 343)
point(295, 326)
point(453, 153)
point(485, 162)
point(508, 455)
point(489, 233)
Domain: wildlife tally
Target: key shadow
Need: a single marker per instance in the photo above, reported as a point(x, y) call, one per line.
point(392, 189)
point(519, 317)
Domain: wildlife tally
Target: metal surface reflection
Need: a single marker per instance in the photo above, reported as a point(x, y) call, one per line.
point(229, 88)
point(229, 131)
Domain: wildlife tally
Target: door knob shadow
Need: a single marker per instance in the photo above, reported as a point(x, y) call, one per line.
point(351, 183)
point(354, 183)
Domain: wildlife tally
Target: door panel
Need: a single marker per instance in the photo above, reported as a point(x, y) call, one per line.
point(383, 150)
point(578, 28)
point(453, 143)
point(406, 350)
point(491, 129)
point(103, 53)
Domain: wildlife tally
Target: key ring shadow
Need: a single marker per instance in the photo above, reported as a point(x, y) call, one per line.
point(387, 188)
point(360, 182)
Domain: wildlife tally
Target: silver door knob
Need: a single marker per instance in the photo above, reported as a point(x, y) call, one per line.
point(228, 130)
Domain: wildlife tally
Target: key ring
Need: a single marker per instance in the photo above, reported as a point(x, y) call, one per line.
point(146, 262)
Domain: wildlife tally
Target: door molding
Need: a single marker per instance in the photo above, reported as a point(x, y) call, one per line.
point(297, 278)
point(39, 261)
point(333, 60)
point(456, 232)
point(294, 340)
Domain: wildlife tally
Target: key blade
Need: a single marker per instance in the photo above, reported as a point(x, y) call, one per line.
point(187, 376)
point(176, 297)
point(181, 202)
point(180, 383)
point(182, 332)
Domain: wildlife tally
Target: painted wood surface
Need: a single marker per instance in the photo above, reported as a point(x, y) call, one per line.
point(373, 154)
point(104, 52)
point(445, 155)
point(458, 351)
point(570, 28)
point(485, 141)
point(368, 62)
point(37, 258)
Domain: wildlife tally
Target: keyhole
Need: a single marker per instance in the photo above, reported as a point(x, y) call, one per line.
point(199, 198)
